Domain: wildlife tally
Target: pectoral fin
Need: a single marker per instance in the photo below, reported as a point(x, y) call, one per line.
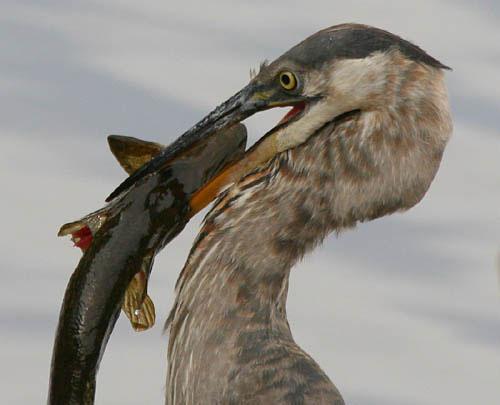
point(131, 152)
point(137, 305)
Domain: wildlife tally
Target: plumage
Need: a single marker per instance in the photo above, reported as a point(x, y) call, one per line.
point(368, 143)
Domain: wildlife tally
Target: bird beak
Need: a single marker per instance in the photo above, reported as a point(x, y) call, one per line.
point(248, 101)
point(251, 99)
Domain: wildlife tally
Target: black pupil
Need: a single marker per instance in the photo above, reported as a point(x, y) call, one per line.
point(285, 79)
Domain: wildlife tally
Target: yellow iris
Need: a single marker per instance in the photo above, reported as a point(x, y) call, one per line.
point(288, 80)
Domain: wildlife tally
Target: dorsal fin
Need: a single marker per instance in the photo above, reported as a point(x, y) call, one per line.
point(131, 152)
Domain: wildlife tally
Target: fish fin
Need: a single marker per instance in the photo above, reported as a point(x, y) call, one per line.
point(131, 152)
point(137, 305)
point(230, 142)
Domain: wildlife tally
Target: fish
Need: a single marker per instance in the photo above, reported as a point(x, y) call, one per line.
point(119, 243)
point(131, 153)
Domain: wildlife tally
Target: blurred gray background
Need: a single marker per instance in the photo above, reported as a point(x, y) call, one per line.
point(401, 311)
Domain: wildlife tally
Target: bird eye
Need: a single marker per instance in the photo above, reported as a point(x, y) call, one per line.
point(288, 80)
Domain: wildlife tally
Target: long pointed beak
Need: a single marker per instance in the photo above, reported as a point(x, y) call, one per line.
point(233, 110)
point(251, 99)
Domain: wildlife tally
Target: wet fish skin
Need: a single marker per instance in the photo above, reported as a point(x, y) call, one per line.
point(136, 225)
point(95, 292)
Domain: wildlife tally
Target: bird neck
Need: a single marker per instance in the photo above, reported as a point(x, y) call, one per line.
point(227, 313)
point(232, 279)
point(230, 306)
point(359, 166)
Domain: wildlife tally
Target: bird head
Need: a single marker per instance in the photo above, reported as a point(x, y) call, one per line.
point(338, 70)
point(341, 69)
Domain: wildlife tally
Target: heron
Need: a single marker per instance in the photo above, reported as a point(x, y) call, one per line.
point(364, 138)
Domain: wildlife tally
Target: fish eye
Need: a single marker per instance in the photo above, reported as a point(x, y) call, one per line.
point(288, 80)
